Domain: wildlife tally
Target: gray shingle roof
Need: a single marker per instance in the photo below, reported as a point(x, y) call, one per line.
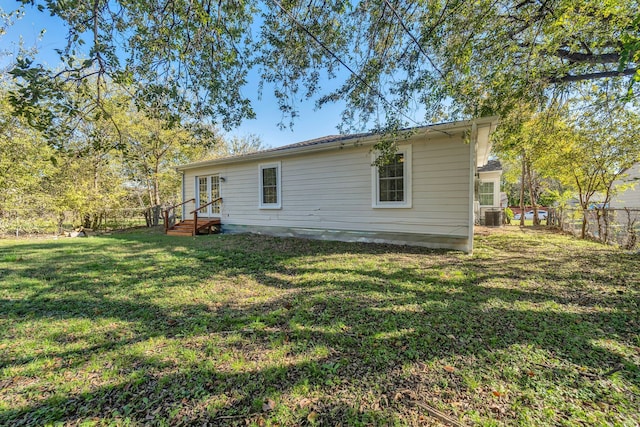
point(318, 141)
point(336, 140)
point(492, 165)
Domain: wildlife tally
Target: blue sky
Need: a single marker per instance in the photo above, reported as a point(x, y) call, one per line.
point(310, 124)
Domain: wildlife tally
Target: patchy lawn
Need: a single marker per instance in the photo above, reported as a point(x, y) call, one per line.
point(534, 329)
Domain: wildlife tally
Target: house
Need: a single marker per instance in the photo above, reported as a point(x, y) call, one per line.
point(488, 197)
point(328, 188)
point(629, 197)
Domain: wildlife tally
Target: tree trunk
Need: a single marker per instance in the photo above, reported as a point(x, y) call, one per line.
point(532, 197)
point(522, 184)
point(157, 209)
point(60, 222)
point(606, 212)
point(153, 219)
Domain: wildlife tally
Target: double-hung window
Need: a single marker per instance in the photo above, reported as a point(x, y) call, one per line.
point(392, 181)
point(485, 193)
point(270, 186)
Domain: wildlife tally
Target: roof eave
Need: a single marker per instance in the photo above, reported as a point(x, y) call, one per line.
point(356, 141)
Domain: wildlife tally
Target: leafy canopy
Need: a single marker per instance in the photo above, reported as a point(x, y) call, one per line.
point(191, 60)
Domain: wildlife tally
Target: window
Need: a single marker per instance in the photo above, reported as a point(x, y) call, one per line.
point(485, 193)
point(270, 194)
point(392, 182)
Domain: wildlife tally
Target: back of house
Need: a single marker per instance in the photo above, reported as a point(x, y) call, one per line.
point(329, 188)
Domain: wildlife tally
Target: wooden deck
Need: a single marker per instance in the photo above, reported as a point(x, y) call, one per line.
point(187, 228)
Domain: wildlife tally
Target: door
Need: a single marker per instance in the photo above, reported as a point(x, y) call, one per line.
point(208, 189)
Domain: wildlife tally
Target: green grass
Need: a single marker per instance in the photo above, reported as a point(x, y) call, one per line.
point(533, 329)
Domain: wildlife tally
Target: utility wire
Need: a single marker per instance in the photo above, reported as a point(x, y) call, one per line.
point(415, 40)
point(406, 30)
point(330, 52)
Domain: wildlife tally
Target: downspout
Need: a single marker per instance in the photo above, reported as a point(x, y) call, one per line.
point(183, 189)
point(183, 195)
point(473, 147)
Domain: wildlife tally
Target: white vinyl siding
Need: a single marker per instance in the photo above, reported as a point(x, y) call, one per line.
point(332, 190)
point(270, 186)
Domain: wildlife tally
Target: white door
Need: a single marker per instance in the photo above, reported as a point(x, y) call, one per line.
point(208, 189)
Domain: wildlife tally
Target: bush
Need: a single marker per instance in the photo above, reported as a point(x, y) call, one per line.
point(508, 215)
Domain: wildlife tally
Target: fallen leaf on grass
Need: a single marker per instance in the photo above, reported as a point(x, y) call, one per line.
point(312, 417)
point(304, 402)
point(269, 405)
point(496, 409)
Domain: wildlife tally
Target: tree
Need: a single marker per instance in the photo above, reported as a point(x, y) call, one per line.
point(486, 56)
point(97, 163)
point(179, 59)
point(78, 176)
point(153, 149)
point(236, 146)
point(604, 146)
point(192, 59)
point(528, 144)
point(25, 162)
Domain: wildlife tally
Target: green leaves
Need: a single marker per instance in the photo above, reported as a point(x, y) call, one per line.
point(630, 53)
point(384, 60)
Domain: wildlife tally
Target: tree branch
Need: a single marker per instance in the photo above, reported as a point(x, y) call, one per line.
point(593, 76)
point(603, 58)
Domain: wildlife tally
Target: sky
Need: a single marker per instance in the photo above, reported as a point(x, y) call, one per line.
point(310, 124)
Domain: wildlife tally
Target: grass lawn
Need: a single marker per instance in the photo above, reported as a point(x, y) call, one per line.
point(533, 329)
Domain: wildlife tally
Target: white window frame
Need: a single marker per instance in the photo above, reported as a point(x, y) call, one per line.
point(493, 192)
point(278, 167)
point(407, 182)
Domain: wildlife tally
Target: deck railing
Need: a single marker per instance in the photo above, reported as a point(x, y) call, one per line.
point(195, 213)
point(167, 211)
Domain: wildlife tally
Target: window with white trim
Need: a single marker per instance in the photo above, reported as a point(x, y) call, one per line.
point(270, 186)
point(485, 193)
point(392, 181)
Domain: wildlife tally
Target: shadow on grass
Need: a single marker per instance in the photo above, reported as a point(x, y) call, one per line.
point(369, 318)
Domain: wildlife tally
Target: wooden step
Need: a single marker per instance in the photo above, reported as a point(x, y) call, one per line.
point(201, 221)
point(179, 233)
point(186, 227)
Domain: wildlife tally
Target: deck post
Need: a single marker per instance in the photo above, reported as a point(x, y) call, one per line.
point(195, 222)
